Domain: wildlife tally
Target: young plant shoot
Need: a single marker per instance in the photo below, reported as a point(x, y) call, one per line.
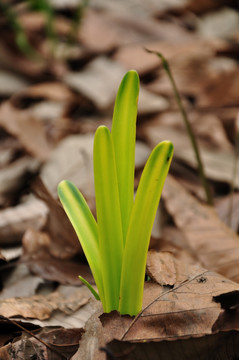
point(116, 245)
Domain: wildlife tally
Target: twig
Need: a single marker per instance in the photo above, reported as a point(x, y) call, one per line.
point(234, 174)
point(33, 335)
point(188, 127)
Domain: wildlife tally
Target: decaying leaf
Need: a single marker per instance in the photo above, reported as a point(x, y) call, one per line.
point(227, 208)
point(161, 267)
point(14, 221)
point(99, 83)
point(38, 250)
point(72, 160)
point(216, 246)
point(53, 343)
point(68, 300)
point(63, 240)
point(18, 282)
point(219, 346)
point(10, 84)
point(13, 176)
point(184, 314)
point(30, 132)
point(218, 163)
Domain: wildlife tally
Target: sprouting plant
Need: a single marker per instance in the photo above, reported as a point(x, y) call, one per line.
point(116, 245)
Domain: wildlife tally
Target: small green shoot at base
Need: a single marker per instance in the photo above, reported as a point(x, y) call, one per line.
point(116, 245)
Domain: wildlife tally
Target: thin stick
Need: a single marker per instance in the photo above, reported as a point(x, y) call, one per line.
point(33, 335)
point(188, 127)
point(234, 175)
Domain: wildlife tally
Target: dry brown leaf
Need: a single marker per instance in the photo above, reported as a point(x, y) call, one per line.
point(161, 267)
point(228, 210)
point(219, 346)
point(134, 56)
point(71, 160)
point(131, 23)
point(202, 77)
point(62, 344)
point(30, 133)
point(42, 307)
point(18, 282)
point(11, 83)
point(222, 78)
point(170, 265)
point(9, 148)
point(219, 164)
point(55, 91)
point(219, 24)
point(96, 33)
point(14, 221)
point(12, 253)
point(38, 247)
point(99, 82)
point(207, 127)
point(215, 245)
point(23, 65)
point(13, 176)
point(205, 5)
point(64, 242)
point(187, 311)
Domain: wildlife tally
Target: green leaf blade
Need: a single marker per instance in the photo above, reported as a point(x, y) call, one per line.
point(123, 135)
point(85, 227)
point(108, 216)
point(140, 227)
point(92, 290)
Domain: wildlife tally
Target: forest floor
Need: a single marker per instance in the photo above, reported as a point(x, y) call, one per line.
point(50, 106)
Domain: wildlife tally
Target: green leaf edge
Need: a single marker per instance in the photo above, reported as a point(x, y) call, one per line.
point(108, 216)
point(124, 135)
point(92, 290)
point(140, 227)
point(85, 227)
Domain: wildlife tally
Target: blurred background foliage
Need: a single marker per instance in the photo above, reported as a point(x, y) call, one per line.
point(11, 24)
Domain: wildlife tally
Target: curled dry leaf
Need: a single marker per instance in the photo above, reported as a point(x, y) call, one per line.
point(216, 246)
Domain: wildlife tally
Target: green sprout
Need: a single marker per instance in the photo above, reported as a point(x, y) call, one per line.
point(116, 245)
